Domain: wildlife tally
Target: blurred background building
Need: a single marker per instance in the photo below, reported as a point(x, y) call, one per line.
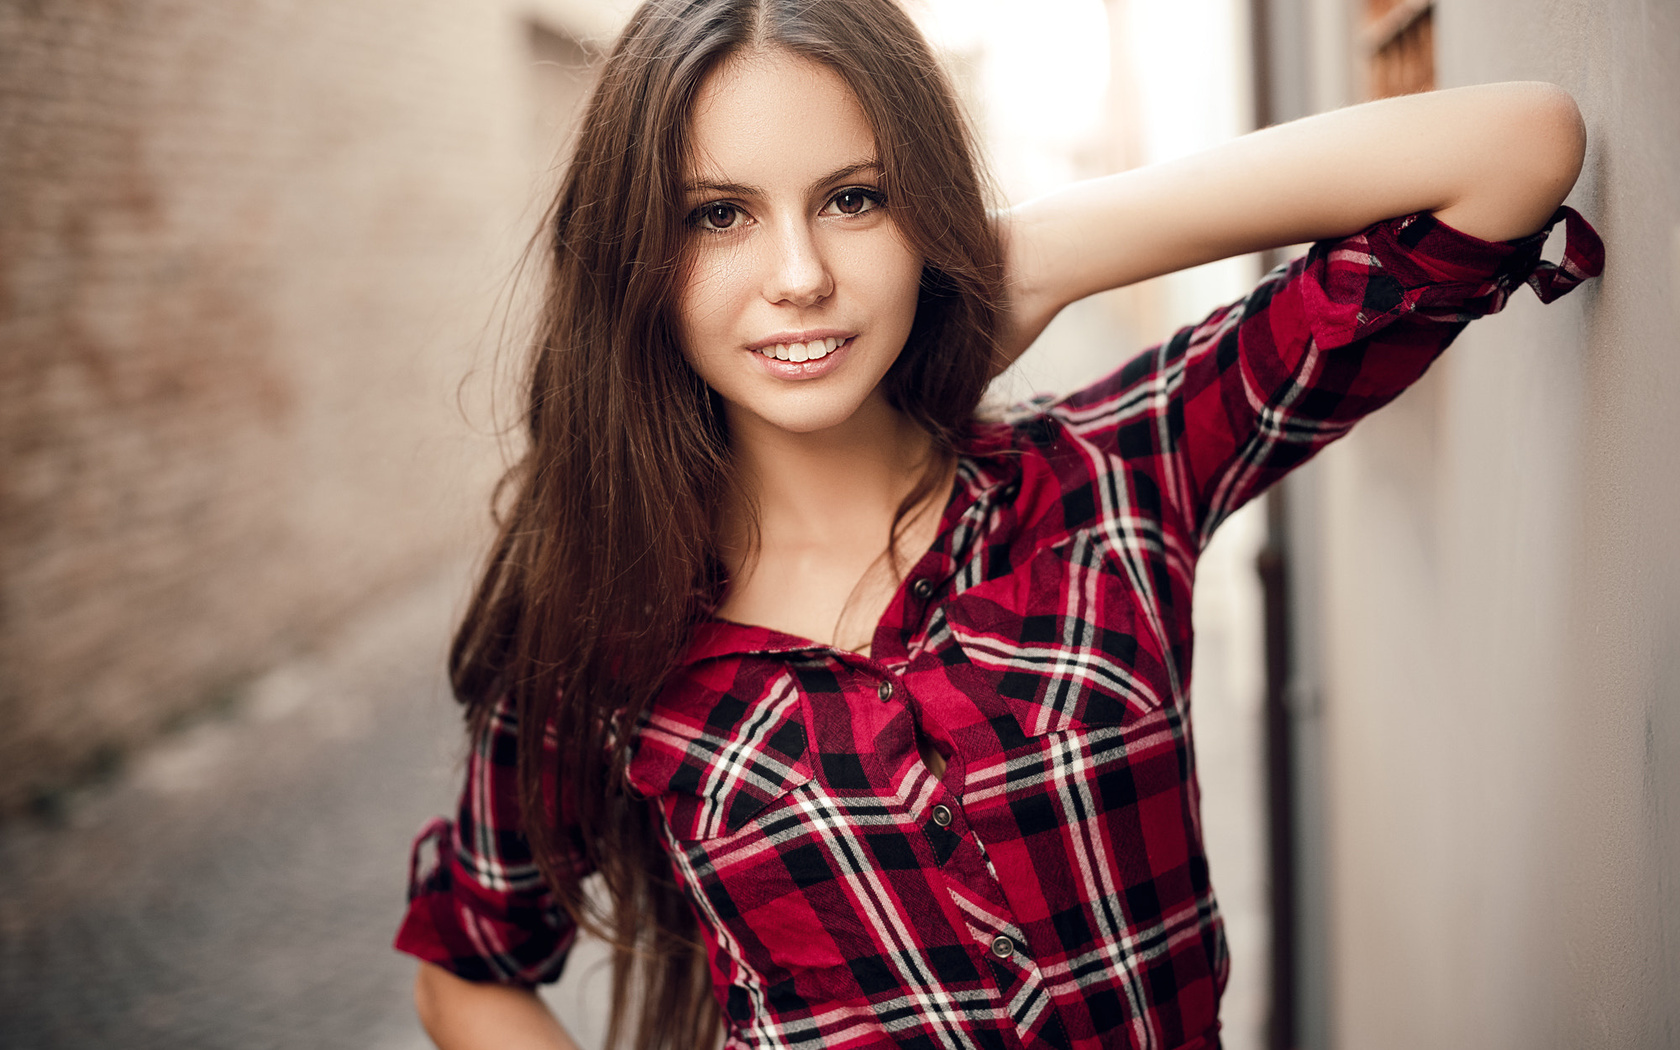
point(249, 255)
point(255, 270)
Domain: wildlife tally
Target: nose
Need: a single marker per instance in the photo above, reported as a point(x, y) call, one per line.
point(798, 273)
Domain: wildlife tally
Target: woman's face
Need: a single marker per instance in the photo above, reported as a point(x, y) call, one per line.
point(800, 291)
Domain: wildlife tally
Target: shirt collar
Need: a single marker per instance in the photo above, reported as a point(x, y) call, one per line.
point(985, 464)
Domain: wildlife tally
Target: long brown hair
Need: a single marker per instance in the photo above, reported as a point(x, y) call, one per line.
point(607, 554)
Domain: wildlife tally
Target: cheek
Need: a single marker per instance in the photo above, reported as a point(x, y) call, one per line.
point(897, 277)
point(883, 272)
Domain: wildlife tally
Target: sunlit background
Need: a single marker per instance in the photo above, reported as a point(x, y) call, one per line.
point(257, 299)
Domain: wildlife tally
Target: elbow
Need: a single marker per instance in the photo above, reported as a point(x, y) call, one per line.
point(1527, 151)
point(1556, 141)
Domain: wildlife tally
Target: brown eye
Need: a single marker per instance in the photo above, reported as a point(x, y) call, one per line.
point(716, 216)
point(855, 201)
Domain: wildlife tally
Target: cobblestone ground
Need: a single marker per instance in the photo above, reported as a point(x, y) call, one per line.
point(238, 885)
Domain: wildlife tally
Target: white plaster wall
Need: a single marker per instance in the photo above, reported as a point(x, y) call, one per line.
point(1502, 606)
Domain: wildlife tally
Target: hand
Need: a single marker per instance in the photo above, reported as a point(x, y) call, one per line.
point(1028, 309)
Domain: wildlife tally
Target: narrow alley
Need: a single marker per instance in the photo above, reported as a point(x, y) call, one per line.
point(238, 885)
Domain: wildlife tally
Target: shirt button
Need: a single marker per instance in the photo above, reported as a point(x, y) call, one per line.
point(884, 691)
point(942, 816)
point(922, 588)
point(1003, 947)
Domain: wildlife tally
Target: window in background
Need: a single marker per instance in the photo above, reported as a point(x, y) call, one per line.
point(1399, 39)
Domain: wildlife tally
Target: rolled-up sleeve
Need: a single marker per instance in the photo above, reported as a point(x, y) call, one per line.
point(477, 904)
point(1225, 408)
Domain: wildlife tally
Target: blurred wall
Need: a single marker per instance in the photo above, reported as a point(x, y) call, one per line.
point(1499, 591)
point(248, 254)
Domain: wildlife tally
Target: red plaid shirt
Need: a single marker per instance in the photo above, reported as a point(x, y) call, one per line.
point(1051, 887)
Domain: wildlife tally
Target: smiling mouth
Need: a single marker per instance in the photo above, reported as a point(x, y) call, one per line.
point(815, 350)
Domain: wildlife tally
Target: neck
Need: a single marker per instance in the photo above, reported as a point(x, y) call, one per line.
point(837, 488)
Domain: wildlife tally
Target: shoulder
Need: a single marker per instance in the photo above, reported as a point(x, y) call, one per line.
point(1097, 428)
point(1053, 466)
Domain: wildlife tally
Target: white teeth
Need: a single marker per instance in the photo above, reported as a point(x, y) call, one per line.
point(815, 350)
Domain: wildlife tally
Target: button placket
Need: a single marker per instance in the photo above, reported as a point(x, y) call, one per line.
point(1021, 985)
point(991, 931)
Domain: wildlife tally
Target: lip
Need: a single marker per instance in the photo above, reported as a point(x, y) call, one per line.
point(804, 369)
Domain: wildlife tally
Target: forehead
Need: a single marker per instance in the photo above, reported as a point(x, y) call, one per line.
point(772, 118)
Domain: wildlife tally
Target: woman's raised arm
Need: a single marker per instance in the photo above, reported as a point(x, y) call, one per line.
point(1494, 161)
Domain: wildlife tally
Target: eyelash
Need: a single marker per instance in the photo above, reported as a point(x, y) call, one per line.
point(873, 197)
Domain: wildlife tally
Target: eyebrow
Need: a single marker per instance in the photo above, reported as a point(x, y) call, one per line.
point(738, 189)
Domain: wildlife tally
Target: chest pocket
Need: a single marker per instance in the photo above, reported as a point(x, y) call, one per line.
point(1062, 642)
point(717, 766)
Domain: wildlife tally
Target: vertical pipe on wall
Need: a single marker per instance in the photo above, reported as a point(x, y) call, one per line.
point(1271, 564)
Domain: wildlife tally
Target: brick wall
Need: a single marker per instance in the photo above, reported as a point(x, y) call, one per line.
point(248, 253)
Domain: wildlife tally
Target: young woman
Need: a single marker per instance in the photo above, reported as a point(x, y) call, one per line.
point(872, 714)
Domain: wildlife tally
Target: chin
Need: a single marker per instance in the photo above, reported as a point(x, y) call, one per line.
point(808, 412)
point(813, 420)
